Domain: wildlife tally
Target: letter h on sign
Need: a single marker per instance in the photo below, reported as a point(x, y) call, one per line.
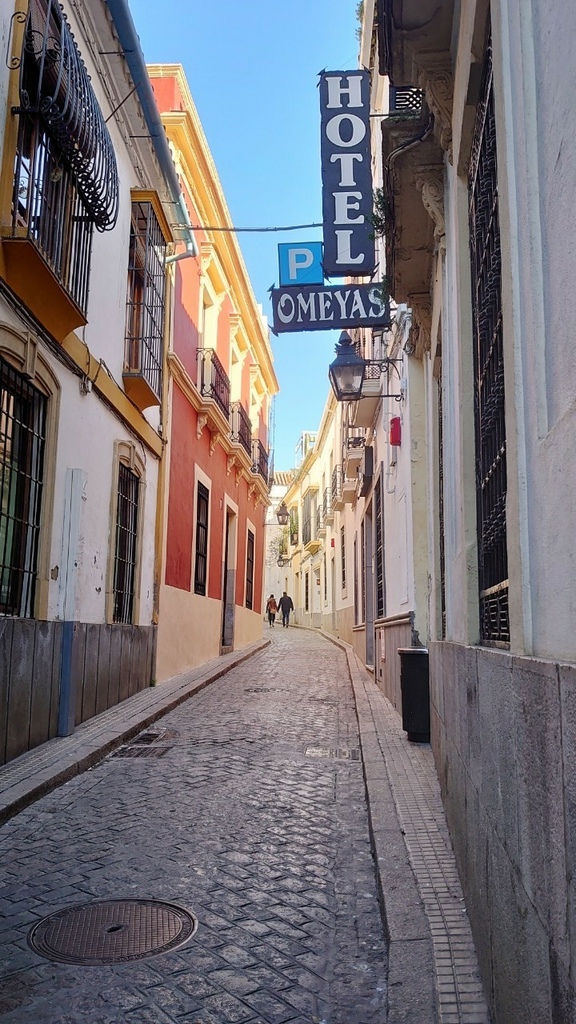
point(346, 173)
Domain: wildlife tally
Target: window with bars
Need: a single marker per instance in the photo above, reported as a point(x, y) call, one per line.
point(201, 562)
point(491, 474)
point(307, 592)
point(145, 298)
point(379, 552)
point(126, 546)
point(22, 444)
point(356, 607)
point(65, 174)
point(343, 557)
point(250, 570)
point(325, 578)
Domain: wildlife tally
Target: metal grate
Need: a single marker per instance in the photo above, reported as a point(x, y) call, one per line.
point(126, 544)
point(22, 444)
point(201, 562)
point(441, 530)
point(336, 484)
point(48, 209)
point(240, 426)
point(338, 753)
point(404, 99)
point(259, 458)
point(214, 382)
point(379, 551)
point(145, 299)
point(491, 475)
point(250, 570)
point(141, 751)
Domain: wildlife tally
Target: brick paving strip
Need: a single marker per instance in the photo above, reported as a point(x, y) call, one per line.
point(438, 932)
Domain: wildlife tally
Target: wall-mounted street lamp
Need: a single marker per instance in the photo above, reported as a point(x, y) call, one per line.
point(348, 371)
point(282, 562)
point(282, 514)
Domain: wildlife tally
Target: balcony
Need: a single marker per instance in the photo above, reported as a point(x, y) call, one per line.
point(241, 427)
point(327, 507)
point(349, 487)
point(293, 528)
point(320, 522)
point(259, 459)
point(337, 499)
point(363, 412)
point(353, 454)
point(310, 542)
point(213, 382)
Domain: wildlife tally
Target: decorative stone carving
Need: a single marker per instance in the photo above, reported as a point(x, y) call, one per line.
point(206, 255)
point(430, 183)
point(435, 78)
point(214, 438)
point(230, 463)
point(200, 424)
point(421, 332)
point(251, 490)
point(235, 321)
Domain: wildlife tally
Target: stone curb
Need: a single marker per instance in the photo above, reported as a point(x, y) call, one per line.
point(39, 771)
point(411, 969)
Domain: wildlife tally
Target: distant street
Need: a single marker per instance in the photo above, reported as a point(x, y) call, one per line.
point(247, 807)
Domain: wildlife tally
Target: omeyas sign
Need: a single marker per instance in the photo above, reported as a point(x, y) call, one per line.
point(319, 308)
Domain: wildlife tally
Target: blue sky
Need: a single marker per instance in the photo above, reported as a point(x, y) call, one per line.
point(252, 67)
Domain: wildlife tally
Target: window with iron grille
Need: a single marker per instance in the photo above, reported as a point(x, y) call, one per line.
point(356, 608)
point(363, 572)
point(201, 563)
point(125, 550)
point(145, 298)
point(379, 552)
point(66, 178)
point(325, 579)
point(307, 592)
point(441, 532)
point(307, 517)
point(250, 570)
point(343, 556)
point(491, 475)
point(22, 444)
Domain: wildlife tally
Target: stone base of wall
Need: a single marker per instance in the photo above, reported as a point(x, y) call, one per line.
point(504, 740)
point(108, 664)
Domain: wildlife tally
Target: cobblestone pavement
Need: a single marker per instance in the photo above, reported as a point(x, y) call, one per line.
point(254, 817)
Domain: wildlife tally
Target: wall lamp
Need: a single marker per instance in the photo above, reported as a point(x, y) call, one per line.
point(282, 562)
point(348, 371)
point(282, 514)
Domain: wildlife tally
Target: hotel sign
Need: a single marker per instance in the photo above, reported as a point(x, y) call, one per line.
point(346, 173)
point(320, 308)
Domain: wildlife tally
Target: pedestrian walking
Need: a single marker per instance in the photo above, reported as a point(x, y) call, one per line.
point(271, 609)
point(286, 606)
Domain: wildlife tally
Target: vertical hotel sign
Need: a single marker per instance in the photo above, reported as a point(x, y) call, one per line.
point(346, 173)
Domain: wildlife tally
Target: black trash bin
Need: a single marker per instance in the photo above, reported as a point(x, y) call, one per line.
point(415, 691)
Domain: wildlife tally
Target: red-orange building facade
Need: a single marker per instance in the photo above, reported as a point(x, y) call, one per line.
point(219, 384)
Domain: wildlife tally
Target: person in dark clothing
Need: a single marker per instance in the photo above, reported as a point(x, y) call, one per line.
point(285, 605)
point(271, 609)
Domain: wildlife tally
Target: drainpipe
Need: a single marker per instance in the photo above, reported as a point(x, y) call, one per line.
point(130, 43)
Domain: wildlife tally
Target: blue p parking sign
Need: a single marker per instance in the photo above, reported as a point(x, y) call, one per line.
point(300, 263)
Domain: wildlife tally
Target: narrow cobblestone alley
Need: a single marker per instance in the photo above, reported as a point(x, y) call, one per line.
point(247, 807)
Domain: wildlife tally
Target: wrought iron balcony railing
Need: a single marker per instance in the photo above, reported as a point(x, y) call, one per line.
point(307, 531)
point(214, 382)
point(293, 527)
point(337, 484)
point(259, 459)
point(327, 502)
point(241, 427)
point(320, 527)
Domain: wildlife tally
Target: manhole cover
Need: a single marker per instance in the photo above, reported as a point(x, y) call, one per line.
point(112, 932)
